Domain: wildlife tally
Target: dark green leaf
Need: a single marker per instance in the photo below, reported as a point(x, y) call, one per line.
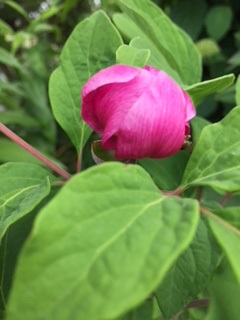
point(166, 173)
point(191, 272)
point(218, 21)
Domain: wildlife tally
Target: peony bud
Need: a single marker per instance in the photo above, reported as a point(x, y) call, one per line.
point(140, 113)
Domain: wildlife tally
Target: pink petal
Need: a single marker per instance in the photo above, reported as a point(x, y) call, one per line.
point(155, 125)
point(97, 87)
point(105, 108)
point(190, 110)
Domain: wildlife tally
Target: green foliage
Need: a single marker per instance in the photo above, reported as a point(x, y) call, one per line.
point(110, 241)
point(191, 273)
point(218, 21)
point(87, 51)
point(131, 56)
point(214, 161)
point(107, 243)
point(21, 191)
point(166, 173)
point(168, 44)
point(225, 295)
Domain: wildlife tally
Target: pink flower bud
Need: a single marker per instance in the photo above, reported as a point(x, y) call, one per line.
point(140, 113)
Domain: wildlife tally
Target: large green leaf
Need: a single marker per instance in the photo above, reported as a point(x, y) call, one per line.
point(172, 45)
point(215, 159)
point(90, 48)
point(229, 239)
point(89, 259)
point(166, 173)
point(199, 90)
point(23, 186)
point(191, 272)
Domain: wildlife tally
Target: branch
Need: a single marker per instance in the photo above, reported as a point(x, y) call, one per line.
point(23, 144)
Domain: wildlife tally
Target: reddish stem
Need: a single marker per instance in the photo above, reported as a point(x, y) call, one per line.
point(23, 144)
point(225, 199)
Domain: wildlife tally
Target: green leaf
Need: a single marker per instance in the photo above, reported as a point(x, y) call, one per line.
point(22, 187)
point(189, 15)
point(90, 48)
point(237, 88)
point(218, 21)
point(172, 45)
point(113, 252)
point(166, 173)
point(131, 56)
point(197, 125)
point(156, 60)
point(8, 59)
point(18, 118)
point(231, 215)
point(224, 295)
point(200, 90)
point(12, 243)
point(229, 239)
point(215, 159)
point(11, 152)
point(5, 28)
point(143, 312)
point(191, 272)
point(18, 8)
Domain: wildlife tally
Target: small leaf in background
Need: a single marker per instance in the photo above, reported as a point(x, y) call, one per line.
point(113, 252)
point(172, 45)
point(131, 56)
point(8, 59)
point(191, 272)
point(189, 16)
point(202, 89)
point(5, 29)
point(229, 240)
point(215, 159)
point(17, 7)
point(166, 173)
point(208, 48)
point(224, 295)
point(218, 21)
point(87, 51)
point(18, 118)
point(22, 187)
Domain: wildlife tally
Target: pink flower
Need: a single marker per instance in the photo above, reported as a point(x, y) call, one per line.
point(140, 113)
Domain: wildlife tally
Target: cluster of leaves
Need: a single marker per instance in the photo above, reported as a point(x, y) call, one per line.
point(110, 244)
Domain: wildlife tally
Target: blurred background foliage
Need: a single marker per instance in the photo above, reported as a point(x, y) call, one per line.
point(32, 34)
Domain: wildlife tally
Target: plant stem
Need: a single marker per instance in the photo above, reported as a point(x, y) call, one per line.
point(23, 144)
point(79, 163)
